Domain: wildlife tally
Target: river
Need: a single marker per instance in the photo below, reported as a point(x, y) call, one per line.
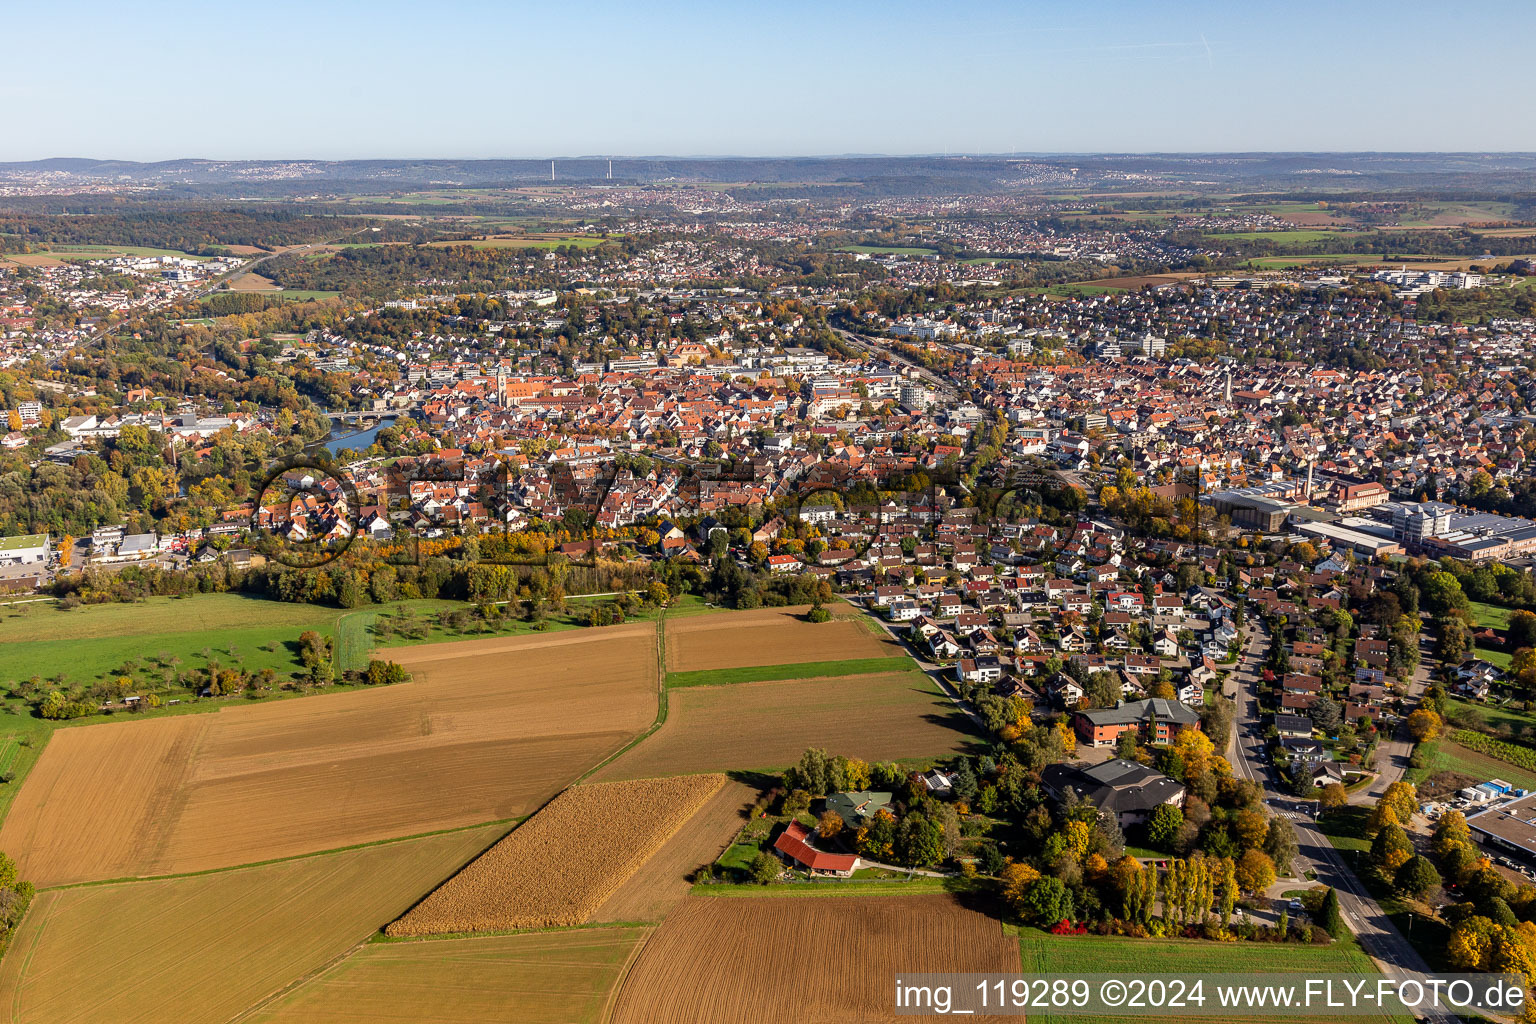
point(342, 438)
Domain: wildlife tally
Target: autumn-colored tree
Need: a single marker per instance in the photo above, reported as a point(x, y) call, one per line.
point(1424, 725)
point(829, 824)
point(1470, 945)
point(1451, 830)
point(1511, 952)
point(1249, 826)
point(1125, 876)
point(1391, 848)
point(1255, 872)
point(1332, 797)
point(1078, 835)
point(1016, 879)
point(856, 774)
point(1196, 749)
point(1396, 806)
point(1068, 738)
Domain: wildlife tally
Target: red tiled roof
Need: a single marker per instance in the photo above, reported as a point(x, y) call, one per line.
point(792, 843)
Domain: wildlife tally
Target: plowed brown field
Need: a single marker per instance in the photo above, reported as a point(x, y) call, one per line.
point(768, 725)
point(767, 636)
point(562, 864)
point(487, 729)
point(786, 960)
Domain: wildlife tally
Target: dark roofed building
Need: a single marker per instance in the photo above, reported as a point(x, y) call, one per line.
point(1297, 726)
point(1509, 828)
point(856, 809)
point(1127, 789)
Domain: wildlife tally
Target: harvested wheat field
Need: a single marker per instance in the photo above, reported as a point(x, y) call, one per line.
point(787, 960)
point(560, 977)
point(207, 947)
point(487, 730)
point(767, 725)
point(559, 866)
point(768, 636)
point(250, 281)
point(663, 881)
point(33, 259)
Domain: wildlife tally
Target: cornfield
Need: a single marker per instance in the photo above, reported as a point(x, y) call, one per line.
point(560, 865)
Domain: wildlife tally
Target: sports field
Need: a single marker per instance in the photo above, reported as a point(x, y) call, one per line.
point(790, 961)
point(768, 636)
point(486, 730)
point(767, 725)
point(555, 977)
point(208, 947)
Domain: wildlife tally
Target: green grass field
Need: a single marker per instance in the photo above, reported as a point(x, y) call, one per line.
point(803, 670)
point(1040, 953)
point(1291, 262)
point(1076, 290)
point(99, 252)
point(1446, 755)
point(1453, 212)
point(575, 241)
point(1345, 828)
point(1494, 716)
point(887, 250)
point(95, 641)
point(1297, 237)
point(1494, 655)
point(1490, 615)
point(148, 637)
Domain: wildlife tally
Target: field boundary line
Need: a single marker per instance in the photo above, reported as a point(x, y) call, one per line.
point(380, 939)
point(789, 672)
point(661, 705)
point(303, 979)
point(26, 963)
point(618, 983)
point(31, 754)
point(392, 840)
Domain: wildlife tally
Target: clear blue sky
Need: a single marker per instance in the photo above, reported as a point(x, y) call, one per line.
point(155, 80)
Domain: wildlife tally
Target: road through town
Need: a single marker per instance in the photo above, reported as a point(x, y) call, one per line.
point(1375, 930)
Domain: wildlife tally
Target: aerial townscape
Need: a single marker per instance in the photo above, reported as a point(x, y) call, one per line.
point(613, 589)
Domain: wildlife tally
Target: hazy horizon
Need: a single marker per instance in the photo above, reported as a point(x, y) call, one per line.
point(348, 80)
